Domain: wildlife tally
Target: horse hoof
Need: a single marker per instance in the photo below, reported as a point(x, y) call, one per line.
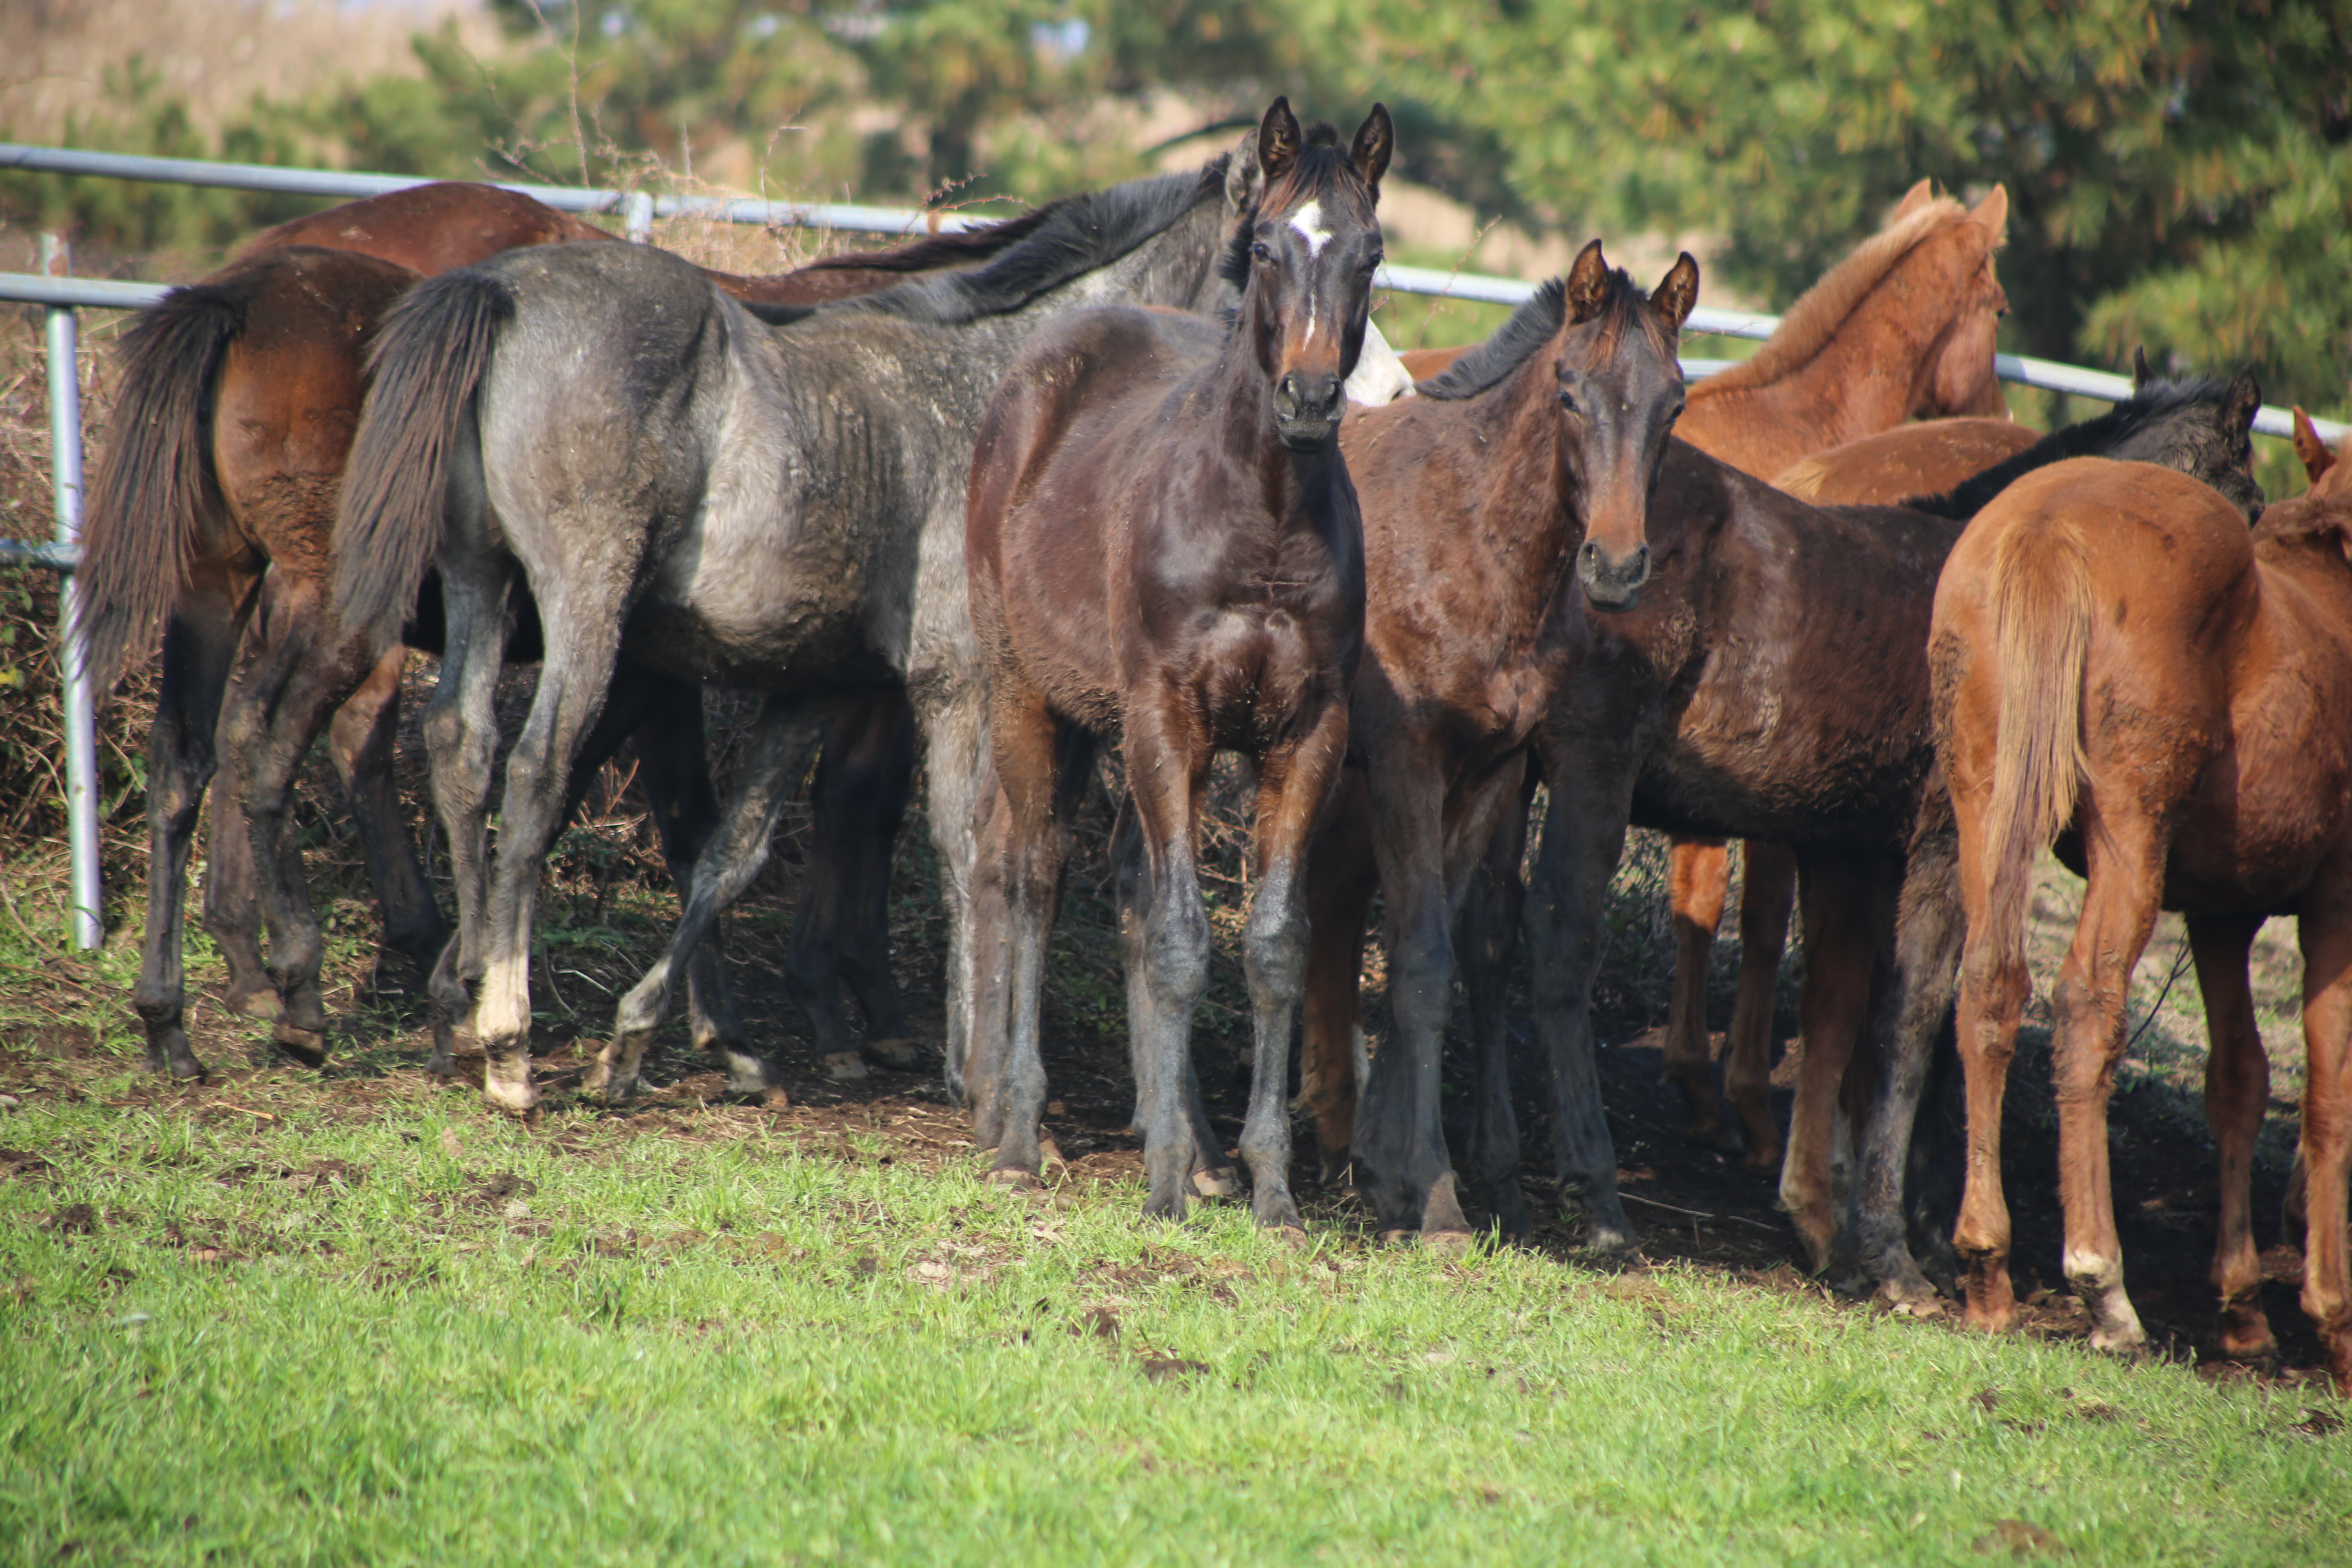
point(1448, 1243)
point(1398, 1237)
point(1049, 1153)
point(1276, 1213)
point(900, 1053)
point(308, 1047)
point(1224, 1181)
point(1014, 1181)
point(1292, 1235)
point(845, 1067)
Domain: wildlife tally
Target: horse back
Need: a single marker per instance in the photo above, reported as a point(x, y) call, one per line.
point(430, 228)
point(1925, 459)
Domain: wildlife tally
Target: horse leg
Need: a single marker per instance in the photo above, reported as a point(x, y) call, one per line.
point(1399, 1138)
point(232, 904)
point(199, 646)
point(1294, 786)
point(1767, 889)
point(2325, 933)
point(360, 738)
point(1341, 876)
point(841, 931)
point(1484, 847)
point(461, 744)
point(1929, 930)
point(2236, 1092)
point(2124, 854)
point(272, 715)
point(1841, 950)
point(1698, 881)
point(959, 793)
point(775, 759)
point(1168, 938)
point(1592, 783)
point(1994, 983)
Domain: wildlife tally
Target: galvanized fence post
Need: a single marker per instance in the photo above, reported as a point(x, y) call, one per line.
point(73, 650)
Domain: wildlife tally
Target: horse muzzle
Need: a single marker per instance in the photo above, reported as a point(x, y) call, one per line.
point(1611, 585)
point(1307, 409)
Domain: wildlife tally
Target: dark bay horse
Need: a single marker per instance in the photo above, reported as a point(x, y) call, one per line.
point(2122, 670)
point(1771, 682)
point(1524, 467)
point(773, 507)
point(1162, 544)
point(213, 509)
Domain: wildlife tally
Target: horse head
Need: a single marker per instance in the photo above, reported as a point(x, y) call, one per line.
point(2202, 428)
point(1304, 258)
point(1959, 377)
point(1621, 391)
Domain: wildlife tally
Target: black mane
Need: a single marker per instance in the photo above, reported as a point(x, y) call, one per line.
point(1533, 325)
point(2099, 436)
point(938, 250)
point(1074, 235)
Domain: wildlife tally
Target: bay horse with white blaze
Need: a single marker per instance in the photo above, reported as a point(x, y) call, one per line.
point(1162, 544)
point(2122, 670)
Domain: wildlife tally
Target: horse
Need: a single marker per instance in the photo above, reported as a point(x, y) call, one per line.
point(773, 507)
point(2121, 670)
point(1162, 544)
point(1759, 686)
point(1924, 459)
point(1522, 468)
point(213, 509)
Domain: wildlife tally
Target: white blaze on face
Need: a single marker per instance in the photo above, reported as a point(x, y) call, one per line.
point(1309, 221)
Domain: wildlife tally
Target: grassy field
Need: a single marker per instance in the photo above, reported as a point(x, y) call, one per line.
point(284, 1321)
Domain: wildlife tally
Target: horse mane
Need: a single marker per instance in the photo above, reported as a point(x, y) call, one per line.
point(2093, 438)
point(1816, 317)
point(939, 250)
point(1533, 325)
point(1063, 238)
point(1320, 166)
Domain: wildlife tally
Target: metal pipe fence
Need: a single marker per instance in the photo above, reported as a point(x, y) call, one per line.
point(638, 210)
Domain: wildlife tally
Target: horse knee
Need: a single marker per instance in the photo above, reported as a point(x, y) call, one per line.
point(1273, 956)
point(1176, 953)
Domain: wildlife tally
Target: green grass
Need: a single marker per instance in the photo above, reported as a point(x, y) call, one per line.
point(398, 1330)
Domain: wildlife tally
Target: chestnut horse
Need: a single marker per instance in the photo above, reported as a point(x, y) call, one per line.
point(2120, 668)
point(1525, 463)
point(1922, 459)
point(214, 508)
point(1163, 543)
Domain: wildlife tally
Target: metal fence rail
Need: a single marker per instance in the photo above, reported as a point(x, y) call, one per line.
point(638, 210)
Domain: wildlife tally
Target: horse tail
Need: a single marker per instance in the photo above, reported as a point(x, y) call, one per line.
point(426, 363)
point(146, 506)
point(2041, 634)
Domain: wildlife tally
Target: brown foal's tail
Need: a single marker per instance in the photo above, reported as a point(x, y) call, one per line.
point(146, 504)
point(426, 361)
point(2042, 636)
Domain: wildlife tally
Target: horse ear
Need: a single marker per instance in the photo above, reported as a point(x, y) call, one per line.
point(1375, 140)
point(1588, 284)
point(2312, 452)
point(1917, 196)
point(1243, 181)
point(1679, 292)
point(2241, 403)
point(1278, 140)
point(2141, 376)
point(1993, 215)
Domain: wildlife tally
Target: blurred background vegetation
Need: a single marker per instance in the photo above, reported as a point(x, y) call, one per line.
point(2179, 172)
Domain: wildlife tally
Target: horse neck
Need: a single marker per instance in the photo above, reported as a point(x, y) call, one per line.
point(1298, 487)
point(1530, 523)
point(1865, 380)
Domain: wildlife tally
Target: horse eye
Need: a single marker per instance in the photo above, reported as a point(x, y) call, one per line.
point(1568, 401)
point(1262, 250)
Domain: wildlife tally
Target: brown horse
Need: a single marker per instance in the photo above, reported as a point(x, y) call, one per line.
point(1903, 328)
point(1163, 543)
point(1922, 459)
point(2119, 667)
point(1526, 463)
point(214, 508)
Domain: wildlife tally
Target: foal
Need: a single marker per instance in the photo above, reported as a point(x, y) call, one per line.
point(1163, 543)
point(2120, 668)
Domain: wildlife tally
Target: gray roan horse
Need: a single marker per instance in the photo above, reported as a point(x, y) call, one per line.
point(776, 509)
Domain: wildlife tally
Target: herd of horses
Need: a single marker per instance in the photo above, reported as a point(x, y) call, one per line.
point(1115, 472)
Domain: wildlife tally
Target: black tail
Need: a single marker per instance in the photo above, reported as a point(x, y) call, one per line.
point(428, 359)
point(146, 505)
